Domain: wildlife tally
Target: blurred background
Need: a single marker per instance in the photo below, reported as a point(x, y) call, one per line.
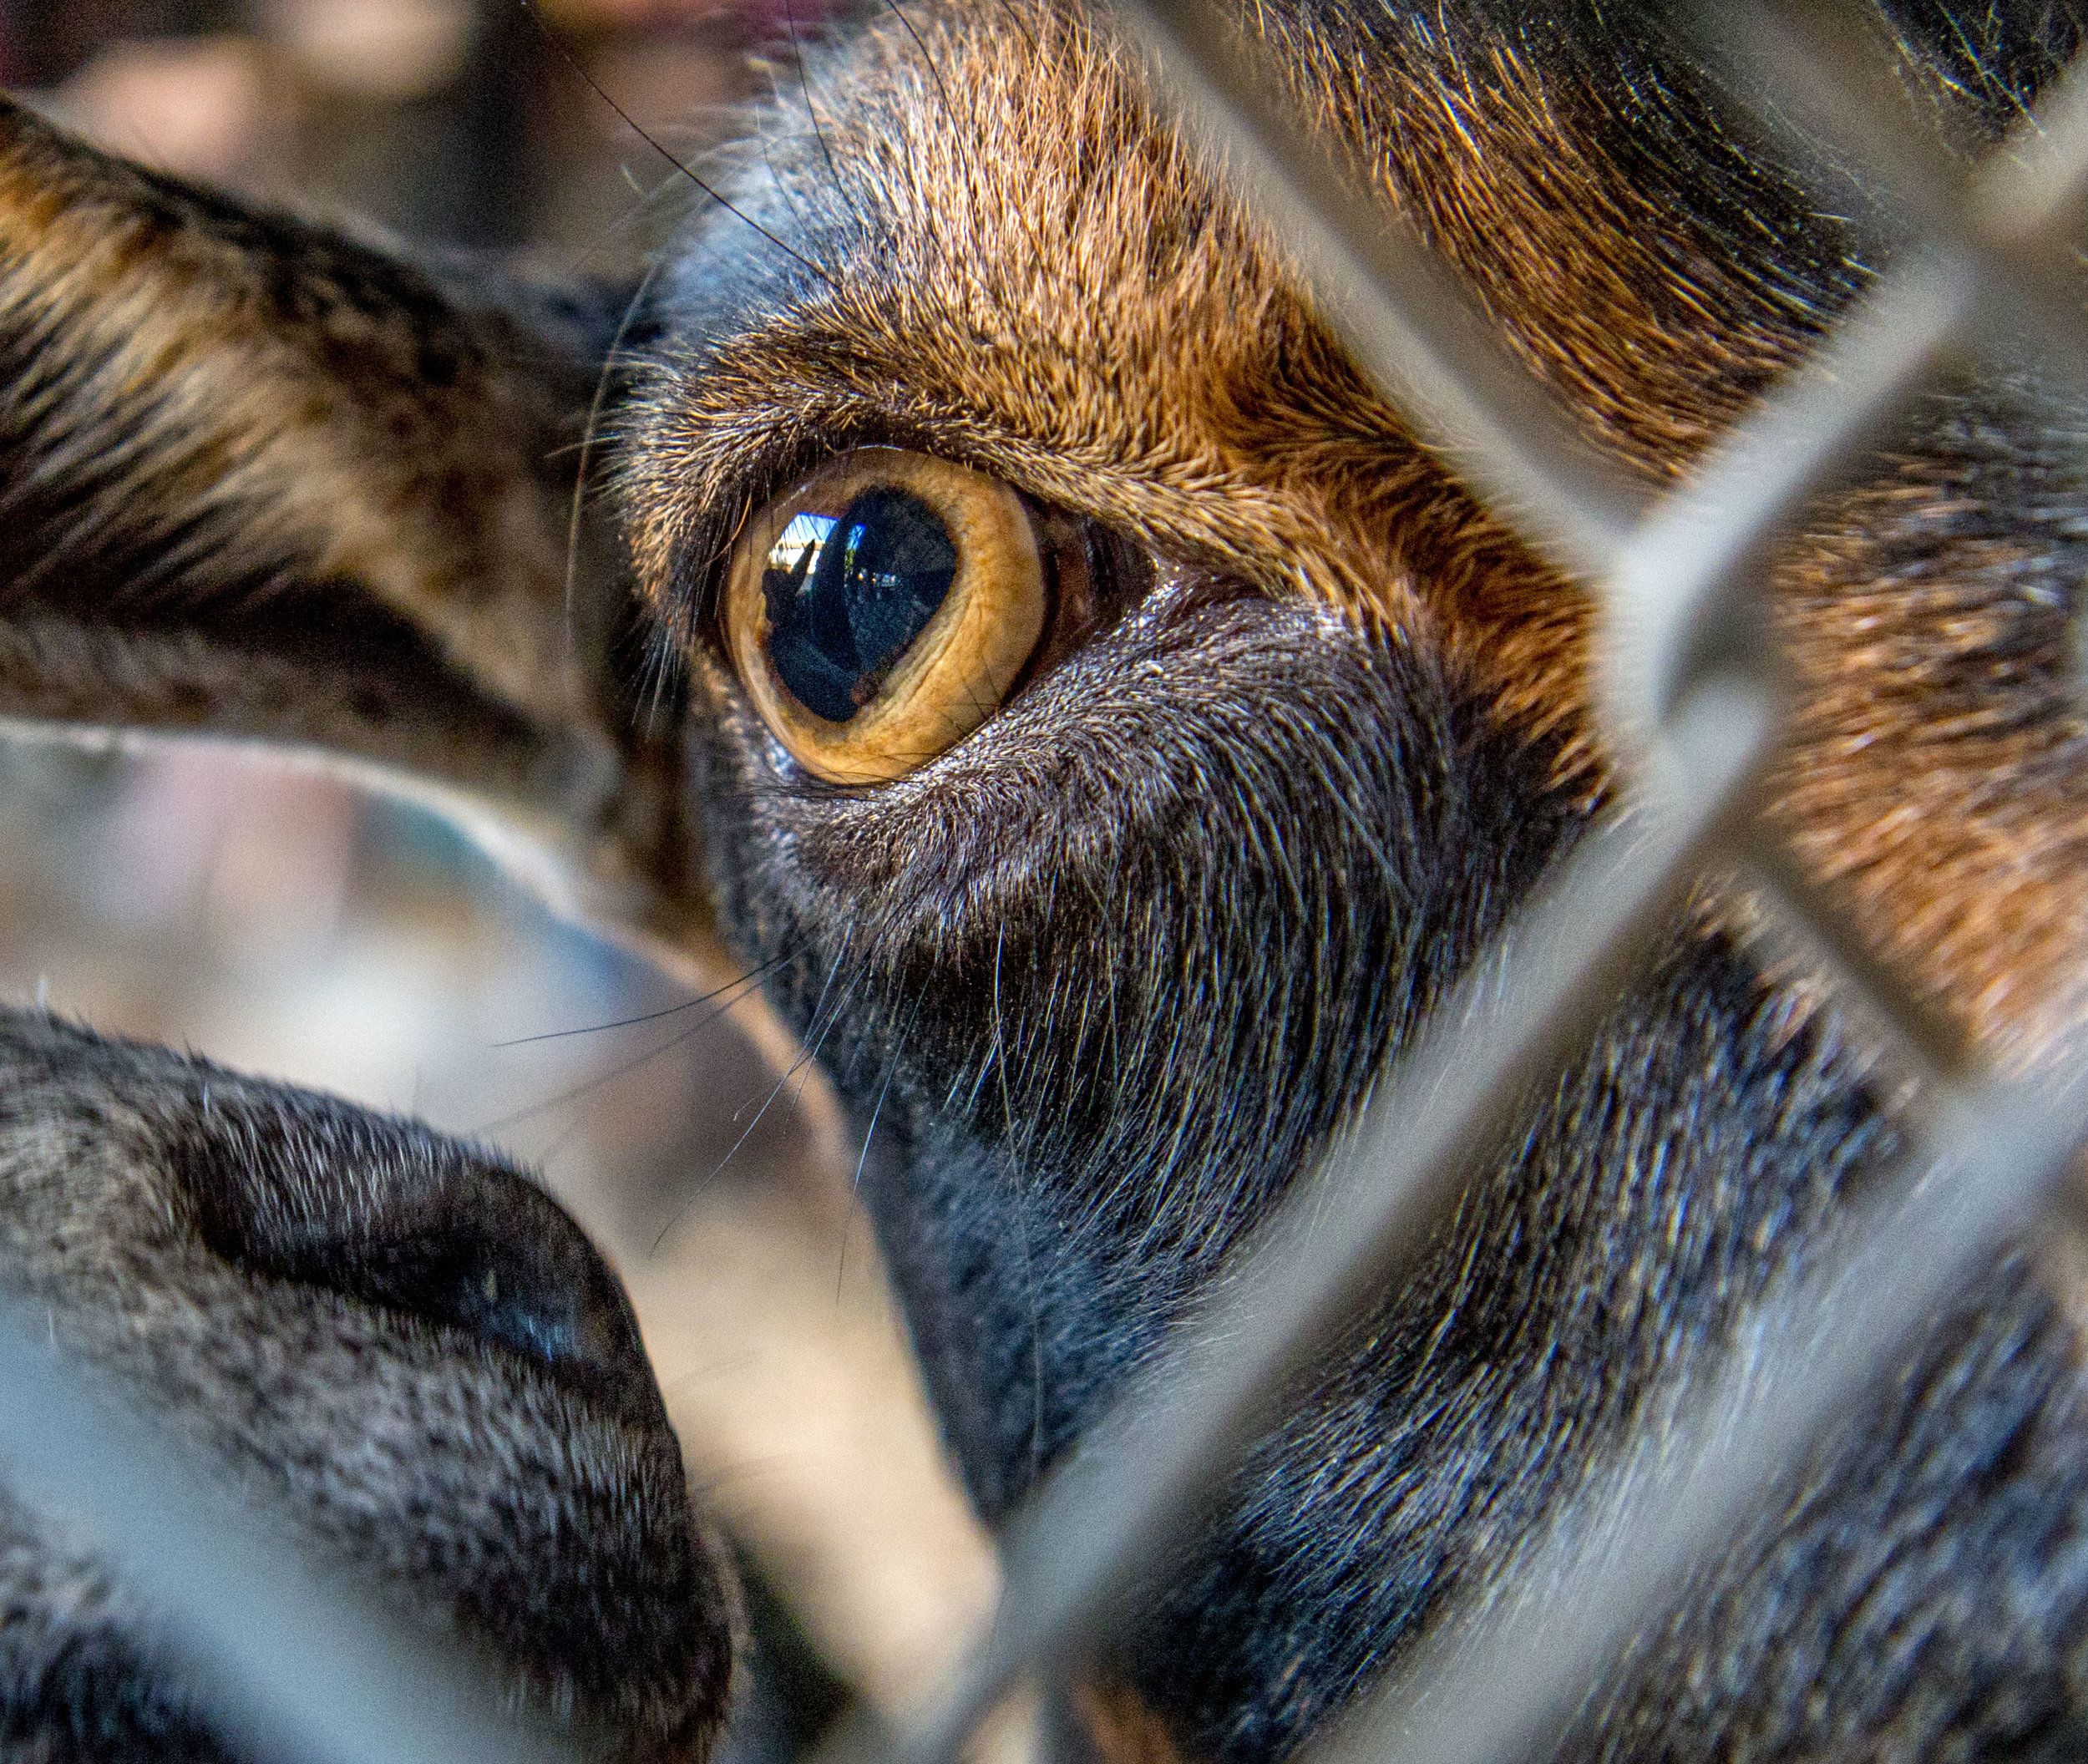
point(276, 920)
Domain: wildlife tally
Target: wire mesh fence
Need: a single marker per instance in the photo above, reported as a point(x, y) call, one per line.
point(1689, 701)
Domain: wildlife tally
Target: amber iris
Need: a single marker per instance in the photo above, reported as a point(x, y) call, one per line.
point(882, 610)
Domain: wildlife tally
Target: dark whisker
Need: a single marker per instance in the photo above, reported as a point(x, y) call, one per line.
point(1021, 29)
point(812, 116)
point(587, 442)
point(723, 201)
point(601, 1079)
point(649, 1016)
point(959, 133)
point(803, 1060)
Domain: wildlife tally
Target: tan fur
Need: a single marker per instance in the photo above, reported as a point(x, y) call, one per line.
point(1016, 301)
point(420, 498)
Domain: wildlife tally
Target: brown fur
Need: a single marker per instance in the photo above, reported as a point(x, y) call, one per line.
point(1121, 1727)
point(1024, 308)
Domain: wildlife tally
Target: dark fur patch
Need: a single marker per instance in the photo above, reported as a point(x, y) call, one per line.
point(182, 1227)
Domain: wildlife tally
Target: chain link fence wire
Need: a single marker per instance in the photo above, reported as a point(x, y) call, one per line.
point(1689, 700)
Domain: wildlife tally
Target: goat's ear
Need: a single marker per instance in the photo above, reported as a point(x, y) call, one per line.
point(263, 481)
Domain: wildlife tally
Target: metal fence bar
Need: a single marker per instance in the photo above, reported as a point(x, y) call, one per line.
point(2032, 184)
point(1818, 63)
point(1803, 912)
point(1684, 588)
point(2007, 215)
point(297, 1664)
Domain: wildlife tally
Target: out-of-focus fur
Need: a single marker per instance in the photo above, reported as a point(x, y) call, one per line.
point(399, 1348)
point(1102, 979)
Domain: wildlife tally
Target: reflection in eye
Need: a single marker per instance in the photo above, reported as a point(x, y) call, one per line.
point(881, 611)
point(846, 598)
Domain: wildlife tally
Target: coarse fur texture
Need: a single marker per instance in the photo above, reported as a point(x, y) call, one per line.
point(1102, 979)
point(397, 1346)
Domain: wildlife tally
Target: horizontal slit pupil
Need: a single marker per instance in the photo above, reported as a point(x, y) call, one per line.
point(847, 597)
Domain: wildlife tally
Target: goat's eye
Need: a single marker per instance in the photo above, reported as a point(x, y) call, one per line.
point(882, 610)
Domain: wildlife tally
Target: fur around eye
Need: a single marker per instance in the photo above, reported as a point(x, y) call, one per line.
point(881, 611)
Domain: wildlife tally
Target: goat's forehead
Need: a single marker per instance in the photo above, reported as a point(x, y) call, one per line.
point(988, 240)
